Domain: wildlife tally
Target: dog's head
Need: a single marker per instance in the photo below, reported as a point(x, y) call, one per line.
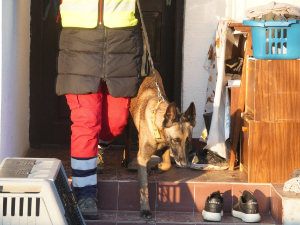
point(178, 129)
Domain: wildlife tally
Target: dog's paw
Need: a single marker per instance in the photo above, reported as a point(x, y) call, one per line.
point(146, 214)
point(163, 167)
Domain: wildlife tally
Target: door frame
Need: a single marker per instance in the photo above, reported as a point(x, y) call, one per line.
point(35, 99)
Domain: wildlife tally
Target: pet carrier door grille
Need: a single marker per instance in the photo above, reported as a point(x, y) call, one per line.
point(36, 191)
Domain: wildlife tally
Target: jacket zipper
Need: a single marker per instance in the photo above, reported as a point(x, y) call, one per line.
point(104, 59)
point(100, 14)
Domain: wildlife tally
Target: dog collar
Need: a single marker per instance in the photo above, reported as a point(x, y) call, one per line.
point(154, 127)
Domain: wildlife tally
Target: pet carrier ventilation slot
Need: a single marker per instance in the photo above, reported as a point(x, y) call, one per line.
point(35, 191)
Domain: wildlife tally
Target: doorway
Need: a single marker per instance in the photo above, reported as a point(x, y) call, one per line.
point(49, 114)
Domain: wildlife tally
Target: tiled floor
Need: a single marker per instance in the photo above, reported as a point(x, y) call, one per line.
point(160, 218)
point(114, 170)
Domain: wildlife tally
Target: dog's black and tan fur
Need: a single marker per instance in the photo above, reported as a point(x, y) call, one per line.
point(175, 129)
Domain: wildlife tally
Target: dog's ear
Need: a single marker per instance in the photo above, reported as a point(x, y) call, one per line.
point(171, 115)
point(190, 114)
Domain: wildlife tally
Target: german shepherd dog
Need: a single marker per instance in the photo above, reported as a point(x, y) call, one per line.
point(175, 130)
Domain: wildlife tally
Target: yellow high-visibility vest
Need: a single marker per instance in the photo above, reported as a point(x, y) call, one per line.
point(86, 13)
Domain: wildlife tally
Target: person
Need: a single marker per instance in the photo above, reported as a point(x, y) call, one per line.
point(99, 69)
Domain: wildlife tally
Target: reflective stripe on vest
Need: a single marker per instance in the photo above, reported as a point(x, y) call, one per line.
point(80, 13)
point(119, 13)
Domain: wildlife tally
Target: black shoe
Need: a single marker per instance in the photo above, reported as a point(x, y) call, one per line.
point(88, 208)
point(213, 210)
point(247, 208)
point(208, 160)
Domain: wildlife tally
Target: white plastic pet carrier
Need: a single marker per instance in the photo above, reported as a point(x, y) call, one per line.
point(36, 191)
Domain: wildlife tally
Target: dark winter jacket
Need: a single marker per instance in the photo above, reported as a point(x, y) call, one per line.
point(88, 55)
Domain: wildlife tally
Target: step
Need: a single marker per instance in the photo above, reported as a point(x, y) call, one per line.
point(167, 218)
point(178, 195)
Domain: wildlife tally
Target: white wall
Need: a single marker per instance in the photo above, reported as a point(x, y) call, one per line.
point(14, 77)
point(201, 19)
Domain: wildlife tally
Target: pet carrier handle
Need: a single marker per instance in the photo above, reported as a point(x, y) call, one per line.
point(264, 23)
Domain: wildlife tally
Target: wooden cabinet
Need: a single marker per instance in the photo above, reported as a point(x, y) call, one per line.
point(270, 143)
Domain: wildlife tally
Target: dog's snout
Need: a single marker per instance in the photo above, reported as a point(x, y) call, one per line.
point(183, 163)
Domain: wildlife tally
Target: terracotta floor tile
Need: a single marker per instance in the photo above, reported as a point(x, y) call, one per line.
point(198, 217)
point(104, 177)
point(110, 170)
point(209, 176)
point(215, 223)
point(110, 216)
point(176, 217)
point(139, 223)
point(127, 175)
point(178, 197)
point(128, 198)
point(227, 218)
point(265, 219)
point(38, 153)
point(174, 223)
point(94, 222)
point(108, 195)
point(133, 216)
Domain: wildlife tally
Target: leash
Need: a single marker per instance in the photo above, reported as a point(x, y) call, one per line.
point(159, 95)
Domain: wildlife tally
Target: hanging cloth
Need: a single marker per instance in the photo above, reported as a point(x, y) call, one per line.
point(216, 91)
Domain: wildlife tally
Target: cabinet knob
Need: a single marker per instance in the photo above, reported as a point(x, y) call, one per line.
point(244, 129)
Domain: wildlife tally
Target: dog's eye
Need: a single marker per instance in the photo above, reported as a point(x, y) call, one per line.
point(177, 140)
point(188, 139)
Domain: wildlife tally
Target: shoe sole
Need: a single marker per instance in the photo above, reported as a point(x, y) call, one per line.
point(207, 167)
point(209, 216)
point(248, 218)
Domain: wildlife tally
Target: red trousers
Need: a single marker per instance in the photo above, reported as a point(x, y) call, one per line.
point(95, 116)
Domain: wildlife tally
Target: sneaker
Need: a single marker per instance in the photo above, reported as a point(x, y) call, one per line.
point(100, 163)
point(247, 208)
point(88, 208)
point(213, 210)
point(208, 160)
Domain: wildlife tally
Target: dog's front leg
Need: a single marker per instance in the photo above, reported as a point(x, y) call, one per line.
point(166, 163)
point(143, 183)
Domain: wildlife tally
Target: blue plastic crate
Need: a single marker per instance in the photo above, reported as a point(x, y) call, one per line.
point(275, 39)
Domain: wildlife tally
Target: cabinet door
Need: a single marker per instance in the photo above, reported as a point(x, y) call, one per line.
point(273, 151)
point(277, 92)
